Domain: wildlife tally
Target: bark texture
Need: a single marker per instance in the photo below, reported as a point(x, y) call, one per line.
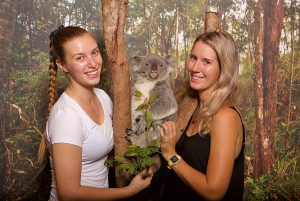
point(273, 22)
point(212, 22)
point(266, 70)
point(114, 19)
point(258, 88)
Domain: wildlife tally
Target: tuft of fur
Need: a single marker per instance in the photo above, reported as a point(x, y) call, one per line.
point(149, 74)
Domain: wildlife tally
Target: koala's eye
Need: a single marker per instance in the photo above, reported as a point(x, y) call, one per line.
point(147, 64)
point(161, 65)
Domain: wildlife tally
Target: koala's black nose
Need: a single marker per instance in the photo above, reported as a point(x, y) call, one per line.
point(154, 66)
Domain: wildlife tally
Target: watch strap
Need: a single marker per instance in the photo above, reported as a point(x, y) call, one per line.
point(170, 163)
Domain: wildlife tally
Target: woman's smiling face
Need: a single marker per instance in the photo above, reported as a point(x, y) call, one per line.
point(83, 61)
point(203, 67)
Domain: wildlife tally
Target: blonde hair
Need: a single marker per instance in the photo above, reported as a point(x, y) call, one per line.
point(57, 40)
point(225, 90)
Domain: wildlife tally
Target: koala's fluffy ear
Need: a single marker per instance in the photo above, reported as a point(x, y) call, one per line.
point(136, 60)
point(171, 61)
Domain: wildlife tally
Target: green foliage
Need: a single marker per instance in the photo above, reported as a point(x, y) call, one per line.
point(140, 158)
point(282, 184)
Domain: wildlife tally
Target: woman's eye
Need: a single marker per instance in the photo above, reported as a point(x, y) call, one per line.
point(79, 58)
point(193, 58)
point(207, 62)
point(95, 52)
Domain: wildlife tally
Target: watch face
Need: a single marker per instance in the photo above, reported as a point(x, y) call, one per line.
point(174, 159)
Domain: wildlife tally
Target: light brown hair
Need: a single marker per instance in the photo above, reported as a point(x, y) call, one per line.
point(225, 90)
point(58, 38)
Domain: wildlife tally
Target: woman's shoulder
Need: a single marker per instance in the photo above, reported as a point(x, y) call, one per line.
point(105, 99)
point(231, 111)
point(227, 115)
point(102, 94)
point(65, 107)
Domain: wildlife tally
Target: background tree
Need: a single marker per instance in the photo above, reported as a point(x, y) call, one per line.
point(8, 16)
point(264, 154)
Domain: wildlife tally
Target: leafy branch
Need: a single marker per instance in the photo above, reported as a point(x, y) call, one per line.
point(145, 106)
point(140, 156)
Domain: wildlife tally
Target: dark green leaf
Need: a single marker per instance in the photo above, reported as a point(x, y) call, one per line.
point(150, 161)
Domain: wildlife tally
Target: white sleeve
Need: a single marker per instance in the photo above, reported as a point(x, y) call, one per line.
point(67, 127)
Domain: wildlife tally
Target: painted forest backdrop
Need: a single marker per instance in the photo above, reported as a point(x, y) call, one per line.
point(267, 36)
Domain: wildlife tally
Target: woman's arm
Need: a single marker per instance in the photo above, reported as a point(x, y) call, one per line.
point(226, 143)
point(67, 165)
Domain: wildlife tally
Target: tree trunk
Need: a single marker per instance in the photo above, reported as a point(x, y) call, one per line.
point(114, 19)
point(8, 16)
point(258, 88)
point(266, 84)
point(212, 22)
point(273, 22)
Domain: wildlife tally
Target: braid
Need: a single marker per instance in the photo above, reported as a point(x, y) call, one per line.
point(51, 95)
point(52, 80)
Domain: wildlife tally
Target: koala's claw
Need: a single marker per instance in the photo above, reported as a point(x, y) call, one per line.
point(140, 127)
point(129, 131)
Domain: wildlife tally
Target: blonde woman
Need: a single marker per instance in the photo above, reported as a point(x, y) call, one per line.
point(207, 162)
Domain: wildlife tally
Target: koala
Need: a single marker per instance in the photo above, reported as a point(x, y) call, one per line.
point(149, 74)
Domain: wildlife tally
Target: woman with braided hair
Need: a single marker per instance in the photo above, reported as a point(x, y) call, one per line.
point(79, 132)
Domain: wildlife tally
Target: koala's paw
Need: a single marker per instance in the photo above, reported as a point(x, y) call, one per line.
point(157, 124)
point(154, 134)
point(138, 140)
point(141, 125)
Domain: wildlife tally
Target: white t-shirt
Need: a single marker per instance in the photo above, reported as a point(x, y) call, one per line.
point(68, 123)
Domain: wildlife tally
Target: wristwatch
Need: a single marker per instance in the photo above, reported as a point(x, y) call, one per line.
point(173, 161)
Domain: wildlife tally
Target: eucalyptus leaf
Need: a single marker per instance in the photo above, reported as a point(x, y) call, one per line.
point(124, 166)
point(153, 97)
point(138, 94)
point(131, 170)
point(149, 161)
point(140, 107)
point(119, 159)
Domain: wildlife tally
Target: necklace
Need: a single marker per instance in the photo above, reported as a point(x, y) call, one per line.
point(92, 104)
point(195, 115)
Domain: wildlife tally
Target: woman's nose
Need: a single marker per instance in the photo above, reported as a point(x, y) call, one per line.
point(197, 66)
point(91, 62)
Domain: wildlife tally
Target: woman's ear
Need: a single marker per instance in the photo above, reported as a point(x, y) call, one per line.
point(61, 66)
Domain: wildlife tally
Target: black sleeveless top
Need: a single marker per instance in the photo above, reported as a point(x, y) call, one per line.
point(195, 151)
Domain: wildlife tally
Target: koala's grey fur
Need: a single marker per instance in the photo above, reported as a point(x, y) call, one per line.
point(148, 74)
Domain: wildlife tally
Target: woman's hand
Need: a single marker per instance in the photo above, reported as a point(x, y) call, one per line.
point(168, 139)
point(141, 182)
